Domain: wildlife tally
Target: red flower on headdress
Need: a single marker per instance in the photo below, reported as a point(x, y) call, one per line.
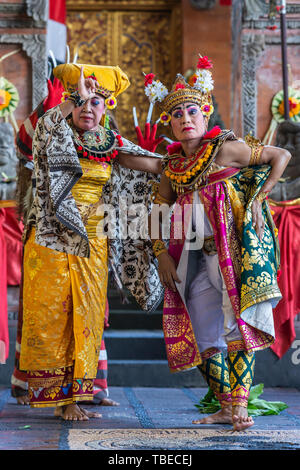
point(204, 63)
point(149, 78)
point(179, 86)
point(93, 77)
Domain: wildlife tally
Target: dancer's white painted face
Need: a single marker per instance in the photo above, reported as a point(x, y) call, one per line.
point(188, 122)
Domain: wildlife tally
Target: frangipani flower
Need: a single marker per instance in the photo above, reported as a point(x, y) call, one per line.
point(155, 91)
point(203, 80)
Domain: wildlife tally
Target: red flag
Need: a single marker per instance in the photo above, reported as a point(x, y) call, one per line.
point(56, 29)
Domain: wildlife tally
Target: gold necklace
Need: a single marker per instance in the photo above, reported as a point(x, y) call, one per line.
point(198, 165)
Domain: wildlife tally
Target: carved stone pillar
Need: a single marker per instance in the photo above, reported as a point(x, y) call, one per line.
point(252, 47)
point(256, 60)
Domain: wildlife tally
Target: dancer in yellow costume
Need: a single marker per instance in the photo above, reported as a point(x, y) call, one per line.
point(65, 262)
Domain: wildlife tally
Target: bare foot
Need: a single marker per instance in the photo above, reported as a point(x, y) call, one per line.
point(90, 414)
point(108, 402)
point(240, 418)
point(73, 412)
point(224, 416)
point(24, 400)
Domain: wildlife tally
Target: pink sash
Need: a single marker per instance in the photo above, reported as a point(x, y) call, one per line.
point(181, 347)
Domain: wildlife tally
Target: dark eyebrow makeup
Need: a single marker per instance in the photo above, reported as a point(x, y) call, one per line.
point(179, 107)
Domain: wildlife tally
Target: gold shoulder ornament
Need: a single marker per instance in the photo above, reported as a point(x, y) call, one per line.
point(256, 149)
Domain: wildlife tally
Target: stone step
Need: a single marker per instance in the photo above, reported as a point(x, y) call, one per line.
point(135, 344)
point(135, 319)
point(150, 373)
point(115, 301)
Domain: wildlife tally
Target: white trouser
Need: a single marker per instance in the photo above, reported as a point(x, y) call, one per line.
point(209, 307)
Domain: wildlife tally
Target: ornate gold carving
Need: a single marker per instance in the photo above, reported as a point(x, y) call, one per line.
point(80, 5)
point(134, 36)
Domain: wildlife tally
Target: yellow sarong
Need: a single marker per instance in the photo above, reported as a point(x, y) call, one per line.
point(64, 296)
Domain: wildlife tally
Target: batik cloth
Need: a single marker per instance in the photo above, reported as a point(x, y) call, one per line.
point(58, 223)
point(64, 301)
point(249, 267)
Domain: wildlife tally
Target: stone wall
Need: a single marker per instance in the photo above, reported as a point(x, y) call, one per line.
point(208, 32)
point(23, 28)
point(257, 69)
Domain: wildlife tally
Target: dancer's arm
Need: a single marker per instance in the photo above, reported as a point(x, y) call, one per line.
point(140, 163)
point(166, 264)
point(239, 154)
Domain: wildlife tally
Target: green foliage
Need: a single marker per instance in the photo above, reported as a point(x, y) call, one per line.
point(256, 406)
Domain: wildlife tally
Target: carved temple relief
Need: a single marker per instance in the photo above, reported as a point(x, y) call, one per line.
point(28, 33)
point(134, 36)
point(252, 47)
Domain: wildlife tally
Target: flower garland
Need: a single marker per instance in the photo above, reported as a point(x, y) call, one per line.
point(294, 107)
point(9, 97)
point(277, 110)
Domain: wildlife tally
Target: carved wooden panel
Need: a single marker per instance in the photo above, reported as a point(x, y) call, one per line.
point(136, 37)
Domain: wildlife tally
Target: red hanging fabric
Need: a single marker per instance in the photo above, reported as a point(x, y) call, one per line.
point(4, 337)
point(13, 237)
point(287, 220)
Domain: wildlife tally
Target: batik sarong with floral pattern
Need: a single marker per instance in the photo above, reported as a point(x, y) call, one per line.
point(64, 300)
point(249, 267)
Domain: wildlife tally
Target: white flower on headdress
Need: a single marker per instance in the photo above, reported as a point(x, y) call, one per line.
point(155, 91)
point(203, 80)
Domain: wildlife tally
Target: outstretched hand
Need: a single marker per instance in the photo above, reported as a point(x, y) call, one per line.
point(55, 91)
point(148, 141)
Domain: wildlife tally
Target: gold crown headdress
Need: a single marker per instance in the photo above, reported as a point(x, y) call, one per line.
point(198, 92)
